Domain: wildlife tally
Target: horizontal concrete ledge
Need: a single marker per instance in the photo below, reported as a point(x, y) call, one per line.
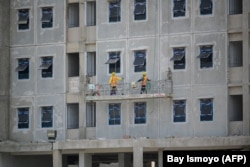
point(125, 97)
point(120, 145)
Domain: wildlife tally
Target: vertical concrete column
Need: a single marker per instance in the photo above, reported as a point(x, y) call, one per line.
point(121, 159)
point(85, 160)
point(57, 158)
point(137, 156)
point(160, 158)
point(1, 160)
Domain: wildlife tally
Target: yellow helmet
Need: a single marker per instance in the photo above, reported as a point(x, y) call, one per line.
point(113, 73)
point(144, 74)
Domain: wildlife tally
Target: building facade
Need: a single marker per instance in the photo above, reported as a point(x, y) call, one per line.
point(57, 58)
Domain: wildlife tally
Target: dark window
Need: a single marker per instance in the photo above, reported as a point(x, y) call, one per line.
point(91, 63)
point(235, 107)
point(179, 111)
point(235, 54)
point(140, 10)
point(23, 68)
point(47, 67)
point(114, 62)
point(23, 19)
point(179, 9)
point(91, 114)
point(206, 7)
point(47, 17)
point(179, 58)
point(91, 14)
point(140, 112)
point(140, 61)
point(206, 108)
point(47, 117)
point(23, 118)
point(73, 65)
point(115, 11)
point(73, 116)
point(206, 56)
point(114, 114)
point(73, 15)
point(235, 7)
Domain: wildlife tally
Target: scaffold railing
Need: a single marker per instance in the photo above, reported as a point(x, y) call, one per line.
point(153, 87)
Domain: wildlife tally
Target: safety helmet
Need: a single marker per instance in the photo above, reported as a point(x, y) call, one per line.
point(113, 73)
point(144, 74)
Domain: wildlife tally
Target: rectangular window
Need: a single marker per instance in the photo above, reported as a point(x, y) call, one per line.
point(23, 19)
point(47, 67)
point(114, 114)
point(114, 62)
point(179, 58)
point(206, 109)
point(206, 56)
point(47, 17)
point(23, 68)
point(179, 9)
point(140, 61)
point(235, 54)
point(23, 118)
point(47, 117)
point(140, 10)
point(206, 7)
point(236, 108)
point(73, 15)
point(140, 112)
point(91, 64)
point(235, 7)
point(91, 114)
point(179, 110)
point(91, 14)
point(73, 65)
point(115, 11)
point(73, 116)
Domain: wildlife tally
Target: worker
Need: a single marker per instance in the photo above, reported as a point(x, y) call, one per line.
point(113, 81)
point(144, 80)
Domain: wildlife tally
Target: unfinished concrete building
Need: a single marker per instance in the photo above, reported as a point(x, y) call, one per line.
point(56, 60)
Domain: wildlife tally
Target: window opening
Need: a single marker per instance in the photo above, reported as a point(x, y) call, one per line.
point(47, 117)
point(206, 109)
point(140, 112)
point(206, 56)
point(114, 62)
point(23, 118)
point(140, 61)
point(47, 18)
point(179, 110)
point(23, 19)
point(179, 58)
point(114, 114)
point(23, 68)
point(140, 10)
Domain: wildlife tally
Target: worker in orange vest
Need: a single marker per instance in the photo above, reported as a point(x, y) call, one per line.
point(113, 81)
point(144, 80)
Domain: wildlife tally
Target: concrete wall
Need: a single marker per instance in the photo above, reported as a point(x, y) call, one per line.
point(35, 92)
point(4, 68)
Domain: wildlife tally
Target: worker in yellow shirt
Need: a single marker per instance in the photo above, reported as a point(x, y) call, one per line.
point(113, 81)
point(144, 80)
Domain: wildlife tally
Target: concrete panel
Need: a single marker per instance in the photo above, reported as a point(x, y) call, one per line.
point(235, 75)
point(235, 128)
point(73, 47)
point(91, 34)
point(22, 37)
point(73, 34)
point(4, 119)
point(235, 22)
point(72, 134)
point(74, 85)
point(57, 32)
point(4, 70)
point(236, 90)
point(56, 84)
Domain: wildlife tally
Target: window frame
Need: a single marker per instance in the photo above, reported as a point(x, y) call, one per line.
point(47, 67)
point(179, 58)
point(114, 62)
point(27, 123)
point(22, 26)
point(140, 16)
point(117, 18)
point(206, 117)
point(43, 122)
point(140, 68)
point(47, 23)
point(206, 60)
point(90, 13)
point(204, 12)
point(177, 12)
point(234, 60)
point(179, 118)
point(91, 114)
point(72, 13)
point(91, 64)
point(232, 10)
point(117, 120)
point(23, 68)
point(140, 107)
point(72, 123)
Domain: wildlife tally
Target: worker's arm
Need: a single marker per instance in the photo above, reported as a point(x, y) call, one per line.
point(110, 80)
point(140, 80)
